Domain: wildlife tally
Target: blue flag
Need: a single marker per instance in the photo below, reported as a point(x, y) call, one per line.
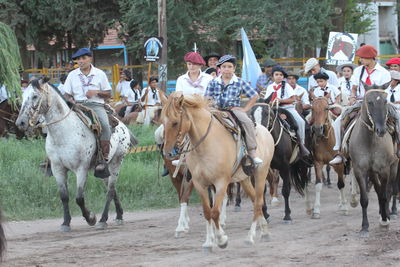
point(250, 69)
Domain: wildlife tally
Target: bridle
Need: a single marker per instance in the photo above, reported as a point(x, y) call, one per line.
point(34, 111)
point(328, 120)
point(372, 126)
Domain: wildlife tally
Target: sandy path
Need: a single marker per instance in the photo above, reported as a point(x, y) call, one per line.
point(147, 239)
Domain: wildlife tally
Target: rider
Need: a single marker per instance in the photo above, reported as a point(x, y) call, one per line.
point(283, 93)
point(300, 92)
point(324, 89)
point(312, 66)
point(265, 78)
point(393, 91)
point(370, 73)
point(89, 86)
point(226, 91)
point(346, 81)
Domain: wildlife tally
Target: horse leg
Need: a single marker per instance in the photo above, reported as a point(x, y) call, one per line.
point(258, 204)
point(221, 237)
point(395, 191)
point(249, 189)
point(318, 187)
point(238, 199)
point(183, 222)
point(264, 206)
point(90, 217)
point(114, 167)
point(354, 190)
point(285, 174)
point(223, 211)
point(362, 182)
point(203, 192)
point(273, 181)
point(328, 176)
point(343, 207)
point(60, 173)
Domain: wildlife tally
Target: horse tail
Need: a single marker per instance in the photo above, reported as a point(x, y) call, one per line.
point(2, 237)
point(298, 176)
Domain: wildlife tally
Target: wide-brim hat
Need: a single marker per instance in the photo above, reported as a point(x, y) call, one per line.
point(395, 60)
point(321, 75)
point(293, 75)
point(395, 75)
point(367, 51)
point(269, 63)
point(82, 52)
point(226, 58)
point(280, 69)
point(212, 54)
point(194, 58)
point(311, 63)
point(339, 68)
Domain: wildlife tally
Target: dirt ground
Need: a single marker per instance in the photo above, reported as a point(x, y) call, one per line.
point(147, 239)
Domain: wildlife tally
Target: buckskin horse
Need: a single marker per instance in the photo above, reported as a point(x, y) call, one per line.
point(323, 140)
point(371, 150)
point(211, 161)
point(71, 145)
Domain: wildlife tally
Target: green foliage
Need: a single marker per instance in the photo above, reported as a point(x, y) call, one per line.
point(26, 194)
point(357, 16)
point(10, 62)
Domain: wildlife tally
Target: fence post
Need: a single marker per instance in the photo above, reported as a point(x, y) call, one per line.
point(115, 80)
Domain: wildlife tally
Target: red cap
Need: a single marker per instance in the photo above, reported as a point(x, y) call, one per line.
point(395, 60)
point(195, 58)
point(367, 51)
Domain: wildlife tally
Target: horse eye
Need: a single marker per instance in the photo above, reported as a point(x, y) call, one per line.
point(174, 124)
point(370, 103)
point(34, 97)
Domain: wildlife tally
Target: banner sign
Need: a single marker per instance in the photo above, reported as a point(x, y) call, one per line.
point(341, 48)
point(152, 48)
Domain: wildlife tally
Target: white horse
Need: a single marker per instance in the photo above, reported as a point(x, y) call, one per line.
point(71, 145)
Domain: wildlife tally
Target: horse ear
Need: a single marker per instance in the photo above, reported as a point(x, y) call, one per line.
point(180, 101)
point(36, 84)
point(45, 79)
point(367, 87)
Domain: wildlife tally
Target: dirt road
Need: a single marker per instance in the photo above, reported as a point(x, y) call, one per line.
point(147, 239)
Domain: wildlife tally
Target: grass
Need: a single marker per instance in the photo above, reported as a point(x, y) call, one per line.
point(26, 194)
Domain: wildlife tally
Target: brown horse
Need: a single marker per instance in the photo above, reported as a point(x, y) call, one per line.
point(8, 115)
point(371, 150)
point(212, 158)
point(323, 140)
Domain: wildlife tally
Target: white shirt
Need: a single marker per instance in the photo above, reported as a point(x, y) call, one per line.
point(312, 83)
point(61, 88)
point(3, 94)
point(77, 84)
point(131, 95)
point(379, 76)
point(333, 90)
point(288, 93)
point(301, 91)
point(187, 87)
point(396, 94)
point(152, 98)
point(343, 85)
point(123, 87)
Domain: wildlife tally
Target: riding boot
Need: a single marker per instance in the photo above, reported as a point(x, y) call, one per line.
point(101, 169)
point(165, 172)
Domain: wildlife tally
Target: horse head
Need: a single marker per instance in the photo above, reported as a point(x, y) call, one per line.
point(320, 115)
point(262, 113)
point(34, 104)
point(375, 111)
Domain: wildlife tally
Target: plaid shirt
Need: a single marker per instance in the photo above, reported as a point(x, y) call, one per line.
point(227, 96)
point(264, 80)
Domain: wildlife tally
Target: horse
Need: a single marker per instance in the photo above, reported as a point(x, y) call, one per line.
point(323, 140)
point(2, 237)
point(72, 146)
point(8, 114)
point(294, 172)
point(211, 161)
point(371, 150)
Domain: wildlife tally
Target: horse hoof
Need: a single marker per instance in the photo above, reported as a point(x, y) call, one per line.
point(119, 221)
point(224, 244)
point(287, 222)
point(354, 204)
point(309, 211)
point(384, 224)
point(65, 228)
point(316, 216)
point(101, 226)
point(364, 234)
point(265, 238)
point(92, 219)
point(274, 202)
point(207, 250)
point(249, 242)
point(180, 234)
point(237, 209)
point(268, 220)
point(393, 216)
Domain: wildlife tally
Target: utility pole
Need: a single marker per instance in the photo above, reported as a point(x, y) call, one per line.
point(162, 32)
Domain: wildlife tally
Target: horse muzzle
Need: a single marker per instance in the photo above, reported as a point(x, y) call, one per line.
point(318, 130)
point(380, 131)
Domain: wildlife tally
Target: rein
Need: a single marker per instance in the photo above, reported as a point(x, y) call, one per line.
point(371, 127)
point(328, 120)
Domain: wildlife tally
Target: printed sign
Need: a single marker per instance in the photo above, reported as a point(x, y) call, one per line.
point(152, 48)
point(341, 48)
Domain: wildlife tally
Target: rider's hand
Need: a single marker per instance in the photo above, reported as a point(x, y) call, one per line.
point(352, 100)
point(91, 93)
point(238, 108)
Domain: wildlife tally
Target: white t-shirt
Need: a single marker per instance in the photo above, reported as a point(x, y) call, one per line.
point(343, 85)
point(187, 87)
point(77, 84)
point(152, 98)
point(312, 83)
point(301, 91)
point(333, 90)
point(131, 95)
point(123, 87)
point(396, 94)
point(379, 76)
point(61, 88)
point(3, 94)
point(288, 93)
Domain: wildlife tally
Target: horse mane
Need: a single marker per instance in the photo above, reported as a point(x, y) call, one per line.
point(177, 100)
point(37, 82)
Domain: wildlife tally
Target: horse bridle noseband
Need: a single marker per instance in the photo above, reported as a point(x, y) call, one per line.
point(371, 127)
point(328, 118)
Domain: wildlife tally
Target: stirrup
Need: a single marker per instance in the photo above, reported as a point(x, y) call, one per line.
point(257, 161)
point(338, 159)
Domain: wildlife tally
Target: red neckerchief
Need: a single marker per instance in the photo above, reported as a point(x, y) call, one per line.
point(275, 94)
point(368, 80)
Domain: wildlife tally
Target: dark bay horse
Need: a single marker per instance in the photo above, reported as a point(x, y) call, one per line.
point(2, 237)
point(8, 115)
point(371, 150)
point(323, 140)
point(291, 172)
